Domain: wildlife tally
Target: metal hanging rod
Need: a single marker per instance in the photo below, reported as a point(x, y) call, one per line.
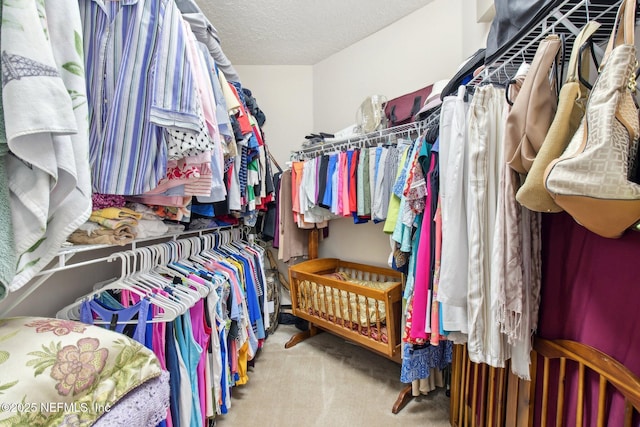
point(367, 139)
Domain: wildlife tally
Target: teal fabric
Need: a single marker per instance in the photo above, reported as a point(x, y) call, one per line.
point(7, 244)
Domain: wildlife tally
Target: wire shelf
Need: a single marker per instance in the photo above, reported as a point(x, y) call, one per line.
point(566, 19)
point(368, 139)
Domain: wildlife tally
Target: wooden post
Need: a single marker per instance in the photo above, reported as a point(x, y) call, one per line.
point(313, 243)
point(313, 330)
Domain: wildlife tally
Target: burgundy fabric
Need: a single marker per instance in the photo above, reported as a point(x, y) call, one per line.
point(101, 201)
point(591, 294)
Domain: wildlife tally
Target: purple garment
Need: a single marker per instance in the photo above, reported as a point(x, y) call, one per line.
point(101, 201)
point(590, 294)
point(145, 405)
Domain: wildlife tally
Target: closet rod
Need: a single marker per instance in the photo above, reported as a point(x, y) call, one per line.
point(362, 141)
point(66, 253)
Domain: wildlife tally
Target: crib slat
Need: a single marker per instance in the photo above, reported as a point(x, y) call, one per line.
point(628, 413)
point(466, 393)
point(602, 397)
point(342, 312)
point(378, 322)
point(561, 379)
point(307, 297)
point(316, 306)
point(491, 395)
point(332, 305)
point(483, 395)
point(474, 395)
point(359, 323)
point(461, 381)
point(580, 404)
point(350, 310)
point(324, 302)
point(502, 382)
point(368, 324)
point(545, 391)
point(455, 381)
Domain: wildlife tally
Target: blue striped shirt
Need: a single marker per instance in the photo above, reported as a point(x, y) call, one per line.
point(138, 81)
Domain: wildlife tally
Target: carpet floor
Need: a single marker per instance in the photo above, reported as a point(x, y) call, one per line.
point(326, 381)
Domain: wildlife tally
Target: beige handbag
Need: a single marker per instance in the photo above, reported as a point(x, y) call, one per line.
point(590, 179)
point(533, 110)
point(571, 103)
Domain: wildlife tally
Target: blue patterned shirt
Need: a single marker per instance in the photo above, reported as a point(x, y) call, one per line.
point(138, 81)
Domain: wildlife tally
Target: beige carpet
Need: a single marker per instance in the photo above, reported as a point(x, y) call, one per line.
point(326, 381)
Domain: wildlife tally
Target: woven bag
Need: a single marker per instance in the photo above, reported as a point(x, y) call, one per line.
point(591, 179)
point(571, 104)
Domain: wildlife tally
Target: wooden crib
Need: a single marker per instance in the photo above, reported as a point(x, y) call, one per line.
point(358, 302)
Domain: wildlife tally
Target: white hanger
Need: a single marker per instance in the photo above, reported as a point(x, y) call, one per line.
point(155, 282)
point(120, 284)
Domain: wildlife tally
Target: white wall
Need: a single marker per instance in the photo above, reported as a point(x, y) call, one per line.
point(284, 93)
point(474, 33)
point(411, 53)
point(418, 50)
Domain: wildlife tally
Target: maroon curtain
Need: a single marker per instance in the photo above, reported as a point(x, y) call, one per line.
point(591, 294)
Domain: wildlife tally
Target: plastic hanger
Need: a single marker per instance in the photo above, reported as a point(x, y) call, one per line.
point(120, 284)
point(175, 270)
point(157, 282)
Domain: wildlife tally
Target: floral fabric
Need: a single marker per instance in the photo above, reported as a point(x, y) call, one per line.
point(55, 369)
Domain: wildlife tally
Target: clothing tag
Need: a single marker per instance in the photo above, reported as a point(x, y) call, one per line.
point(271, 307)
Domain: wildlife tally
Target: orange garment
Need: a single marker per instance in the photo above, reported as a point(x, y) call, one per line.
point(296, 180)
point(242, 364)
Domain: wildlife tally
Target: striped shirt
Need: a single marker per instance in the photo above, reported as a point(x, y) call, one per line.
point(138, 80)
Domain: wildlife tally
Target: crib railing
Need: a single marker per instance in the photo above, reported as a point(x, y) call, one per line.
point(572, 384)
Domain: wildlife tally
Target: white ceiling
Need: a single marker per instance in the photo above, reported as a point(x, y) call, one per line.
point(298, 32)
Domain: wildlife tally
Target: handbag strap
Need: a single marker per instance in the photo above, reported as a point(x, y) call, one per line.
point(546, 55)
point(582, 37)
point(623, 29)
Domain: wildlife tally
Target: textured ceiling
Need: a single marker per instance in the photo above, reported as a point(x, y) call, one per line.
point(298, 32)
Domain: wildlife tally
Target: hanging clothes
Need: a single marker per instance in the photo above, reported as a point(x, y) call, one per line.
point(207, 347)
point(454, 182)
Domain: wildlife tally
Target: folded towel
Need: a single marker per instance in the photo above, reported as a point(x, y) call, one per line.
point(116, 213)
point(113, 223)
point(120, 236)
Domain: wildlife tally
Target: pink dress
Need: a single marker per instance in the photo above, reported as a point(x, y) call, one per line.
point(421, 292)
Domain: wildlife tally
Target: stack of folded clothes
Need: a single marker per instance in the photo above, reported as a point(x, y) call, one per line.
point(113, 226)
point(150, 224)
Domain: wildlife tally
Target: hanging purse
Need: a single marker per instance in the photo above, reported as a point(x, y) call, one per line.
point(590, 179)
point(533, 110)
point(532, 194)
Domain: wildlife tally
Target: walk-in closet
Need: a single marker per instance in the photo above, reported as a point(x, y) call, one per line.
point(363, 213)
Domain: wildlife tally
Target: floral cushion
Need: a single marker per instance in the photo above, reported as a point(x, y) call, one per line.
point(59, 372)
